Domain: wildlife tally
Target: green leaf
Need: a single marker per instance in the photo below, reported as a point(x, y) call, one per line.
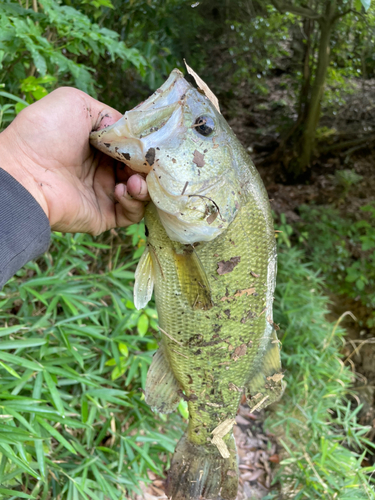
point(13, 98)
point(123, 348)
point(16, 344)
point(59, 437)
point(8, 452)
point(54, 393)
point(142, 325)
point(84, 409)
point(366, 4)
point(183, 409)
point(11, 329)
point(20, 106)
point(360, 284)
point(9, 369)
point(11, 493)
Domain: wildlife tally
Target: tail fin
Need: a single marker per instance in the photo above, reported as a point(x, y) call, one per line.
point(200, 472)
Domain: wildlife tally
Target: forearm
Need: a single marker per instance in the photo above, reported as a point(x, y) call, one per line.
point(24, 226)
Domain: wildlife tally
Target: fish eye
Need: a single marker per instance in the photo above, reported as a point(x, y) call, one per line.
point(204, 125)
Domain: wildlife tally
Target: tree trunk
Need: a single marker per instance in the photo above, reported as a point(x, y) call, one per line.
point(313, 112)
point(306, 77)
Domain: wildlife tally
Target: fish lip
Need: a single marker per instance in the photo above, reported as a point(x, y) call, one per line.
point(160, 106)
point(144, 122)
point(169, 87)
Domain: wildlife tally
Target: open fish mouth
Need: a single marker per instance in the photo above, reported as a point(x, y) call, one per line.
point(134, 139)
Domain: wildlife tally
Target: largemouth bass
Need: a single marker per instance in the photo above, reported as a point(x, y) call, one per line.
point(211, 259)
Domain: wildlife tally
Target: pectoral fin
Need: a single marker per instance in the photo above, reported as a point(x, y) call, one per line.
point(161, 385)
point(193, 279)
point(267, 385)
point(144, 280)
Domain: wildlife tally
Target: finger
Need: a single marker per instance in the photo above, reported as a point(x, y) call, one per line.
point(128, 209)
point(137, 188)
point(100, 114)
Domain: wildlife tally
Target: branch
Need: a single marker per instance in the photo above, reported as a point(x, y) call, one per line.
point(283, 6)
point(368, 139)
point(341, 14)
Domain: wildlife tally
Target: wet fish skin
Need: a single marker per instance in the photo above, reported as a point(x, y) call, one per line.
point(216, 349)
point(213, 295)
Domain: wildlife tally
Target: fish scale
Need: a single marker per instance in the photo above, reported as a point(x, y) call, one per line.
point(194, 328)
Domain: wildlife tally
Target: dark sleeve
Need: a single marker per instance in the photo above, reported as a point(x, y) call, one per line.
point(24, 228)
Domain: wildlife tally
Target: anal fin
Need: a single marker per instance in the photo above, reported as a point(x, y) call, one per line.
point(267, 385)
point(161, 385)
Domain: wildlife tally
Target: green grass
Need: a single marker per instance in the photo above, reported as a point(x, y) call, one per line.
point(74, 354)
point(323, 444)
point(342, 246)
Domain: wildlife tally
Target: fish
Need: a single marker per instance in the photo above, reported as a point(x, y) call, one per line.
point(210, 259)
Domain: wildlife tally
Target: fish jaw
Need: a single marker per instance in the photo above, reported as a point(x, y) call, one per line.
point(134, 138)
point(124, 140)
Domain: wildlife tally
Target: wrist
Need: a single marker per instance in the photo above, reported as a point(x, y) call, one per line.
point(19, 166)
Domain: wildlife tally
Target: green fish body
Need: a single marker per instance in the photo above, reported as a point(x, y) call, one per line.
point(211, 260)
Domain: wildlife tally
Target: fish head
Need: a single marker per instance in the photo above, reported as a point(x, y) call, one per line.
point(183, 144)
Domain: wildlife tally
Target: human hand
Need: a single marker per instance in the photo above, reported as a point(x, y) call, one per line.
point(46, 148)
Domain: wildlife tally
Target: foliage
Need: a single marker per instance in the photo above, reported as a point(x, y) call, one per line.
point(343, 249)
point(44, 47)
point(74, 354)
point(323, 443)
point(163, 31)
point(254, 45)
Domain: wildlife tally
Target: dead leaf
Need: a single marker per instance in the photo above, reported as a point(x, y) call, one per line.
point(239, 351)
point(211, 218)
point(221, 446)
point(222, 429)
point(252, 476)
point(276, 378)
point(225, 267)
point(203, 86)
point(275, 326)
point(242, 420)
point(233, 387)
point(274, 459)
point(198, 159)
point(258, 405)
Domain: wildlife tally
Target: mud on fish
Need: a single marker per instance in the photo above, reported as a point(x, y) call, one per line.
point(211, 261)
